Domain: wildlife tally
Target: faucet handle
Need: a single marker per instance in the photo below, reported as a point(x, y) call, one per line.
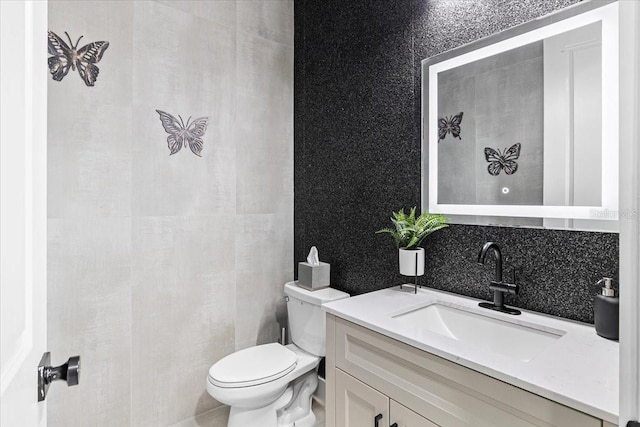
point(507, 288)
point(514, 272)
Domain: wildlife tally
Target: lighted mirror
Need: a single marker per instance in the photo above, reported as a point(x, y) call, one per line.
point(521, 128)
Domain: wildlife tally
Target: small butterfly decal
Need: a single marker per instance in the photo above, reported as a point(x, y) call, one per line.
point(65, 57)
point(181, 134)
point(449, 125)
point(499, 161)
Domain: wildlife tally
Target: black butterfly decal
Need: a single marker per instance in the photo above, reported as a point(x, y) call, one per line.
point(449, 125)
point(65, 57)
point(499, 161)
point(182, 134)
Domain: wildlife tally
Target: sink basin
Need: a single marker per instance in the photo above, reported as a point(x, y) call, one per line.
point(518, 341)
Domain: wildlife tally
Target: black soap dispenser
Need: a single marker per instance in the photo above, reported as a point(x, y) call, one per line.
point(606, 310)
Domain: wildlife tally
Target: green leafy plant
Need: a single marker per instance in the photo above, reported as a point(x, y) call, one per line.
point(410, 231)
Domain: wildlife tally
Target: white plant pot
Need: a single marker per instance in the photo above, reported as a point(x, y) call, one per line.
point(407, 261)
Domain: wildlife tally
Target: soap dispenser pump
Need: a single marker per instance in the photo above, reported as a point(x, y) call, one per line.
point(606, 310)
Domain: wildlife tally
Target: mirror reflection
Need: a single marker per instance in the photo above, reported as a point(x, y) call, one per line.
point(523, 127)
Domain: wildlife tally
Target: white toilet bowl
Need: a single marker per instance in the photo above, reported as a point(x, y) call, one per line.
point(266, 386)
point(271, 385)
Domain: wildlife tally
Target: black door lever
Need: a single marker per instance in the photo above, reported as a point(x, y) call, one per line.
point(68, 372)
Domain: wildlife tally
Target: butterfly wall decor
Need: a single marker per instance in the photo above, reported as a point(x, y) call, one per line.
point(181, 134)
point(499, 161)
point(449, 125)
point(67, 57)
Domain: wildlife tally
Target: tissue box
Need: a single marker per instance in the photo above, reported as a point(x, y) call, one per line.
point(314, 277)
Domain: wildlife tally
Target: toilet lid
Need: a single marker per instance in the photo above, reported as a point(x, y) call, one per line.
point(253, 366)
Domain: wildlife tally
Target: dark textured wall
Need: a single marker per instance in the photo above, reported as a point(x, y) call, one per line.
point(357, 154)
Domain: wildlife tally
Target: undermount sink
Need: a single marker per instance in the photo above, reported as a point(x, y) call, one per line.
point(518, 341)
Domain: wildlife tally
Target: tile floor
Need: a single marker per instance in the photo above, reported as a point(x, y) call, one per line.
point(318, 409)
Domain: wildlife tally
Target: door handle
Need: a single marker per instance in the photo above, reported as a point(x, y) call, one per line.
point(394, 425)
point(69, 372)
point(376, 420)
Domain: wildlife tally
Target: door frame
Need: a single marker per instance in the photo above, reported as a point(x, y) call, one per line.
point(629, 177)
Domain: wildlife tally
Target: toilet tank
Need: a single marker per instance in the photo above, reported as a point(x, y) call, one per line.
point(306, 318)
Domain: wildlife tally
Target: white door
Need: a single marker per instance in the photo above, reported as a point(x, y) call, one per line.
point(23, 161)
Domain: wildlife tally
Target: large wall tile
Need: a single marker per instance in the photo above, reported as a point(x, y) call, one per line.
point(264, 241)
point(89, 314)
point(218, 11)
point(262, 295)
point(89, 128)
point(184, 66)
point(183, 301)
point(264, 127)
point(264, 248)
point(270, 19)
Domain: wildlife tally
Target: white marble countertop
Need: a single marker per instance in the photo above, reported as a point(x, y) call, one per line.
point(579, 370)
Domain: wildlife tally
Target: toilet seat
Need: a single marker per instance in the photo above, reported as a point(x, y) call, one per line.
point(253, 366)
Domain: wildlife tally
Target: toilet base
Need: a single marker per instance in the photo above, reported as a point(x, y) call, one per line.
point(298, 411)
point(241, 417)
point(307, 421)
point(292, 408)
point(255, 417)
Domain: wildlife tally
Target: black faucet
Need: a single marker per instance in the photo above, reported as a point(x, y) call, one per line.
point(498, 287)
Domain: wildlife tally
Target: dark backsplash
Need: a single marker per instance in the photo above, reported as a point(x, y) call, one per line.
point(357, 155)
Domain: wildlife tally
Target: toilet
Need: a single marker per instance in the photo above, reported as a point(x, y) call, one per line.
point(271, 385)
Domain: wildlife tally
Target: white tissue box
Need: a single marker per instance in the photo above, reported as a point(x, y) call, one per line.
point(314, 277)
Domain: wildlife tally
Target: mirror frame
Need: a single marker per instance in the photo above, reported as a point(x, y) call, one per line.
point(573, 17)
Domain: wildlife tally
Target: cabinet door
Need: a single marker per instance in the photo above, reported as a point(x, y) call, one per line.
point(358, 405)
point(405, 417)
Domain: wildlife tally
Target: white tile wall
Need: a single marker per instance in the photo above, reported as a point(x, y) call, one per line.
point(187, 69)
point(269, 19)
point(183, 299)
point(160, 265)
point(264, 129)
point(89, 314)
point(89, 128)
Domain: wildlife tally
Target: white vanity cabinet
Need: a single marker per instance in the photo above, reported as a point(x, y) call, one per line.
point(369, 374)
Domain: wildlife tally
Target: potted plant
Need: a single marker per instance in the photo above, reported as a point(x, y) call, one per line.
point(409, 232)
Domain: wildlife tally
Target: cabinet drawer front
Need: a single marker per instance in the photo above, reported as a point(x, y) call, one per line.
point(405, 417)
point(441, 391)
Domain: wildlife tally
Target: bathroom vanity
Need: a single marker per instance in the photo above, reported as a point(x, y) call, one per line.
point(437, 359)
